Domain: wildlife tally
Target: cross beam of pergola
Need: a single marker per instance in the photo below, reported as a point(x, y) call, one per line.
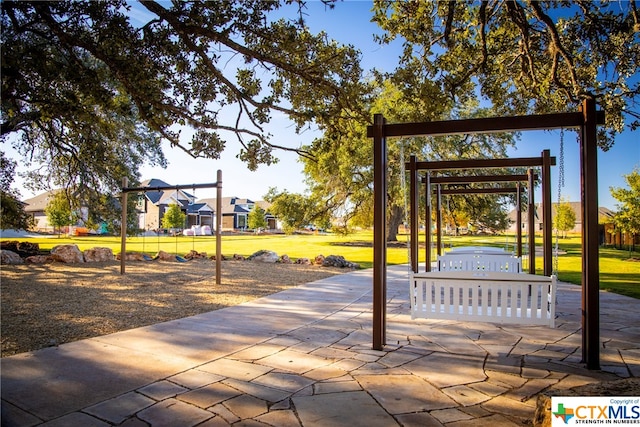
point(438, 181)
point(586, 120)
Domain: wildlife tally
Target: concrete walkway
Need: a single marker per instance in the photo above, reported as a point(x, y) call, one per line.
point(304, 357)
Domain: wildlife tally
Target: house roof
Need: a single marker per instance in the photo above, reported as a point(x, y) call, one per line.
point(227, 207)
point(199, 208)
point(39, 202)
point(264, 204)
point(164, 196)
point(230, 205)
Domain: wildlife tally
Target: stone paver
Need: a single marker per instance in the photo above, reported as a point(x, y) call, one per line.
point(303, 357)
point(75, 419)
point(400, 394)
point(269, 394)
point(284, 381)
point(195, 378)
point(280, 419)
point(235, 369)
point(162, 390)
point(209, 395)
point(120, 408)
point(246, 406)
point(465, 396)
point(327, 410)
point(172, 412)
point(446, 370)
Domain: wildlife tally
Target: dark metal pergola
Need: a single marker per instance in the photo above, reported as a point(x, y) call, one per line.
point(586, 120)
point(545, 161)
point(439, 181)
point(123, 227)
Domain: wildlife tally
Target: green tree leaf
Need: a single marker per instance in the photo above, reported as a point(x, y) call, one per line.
point(173, 217)
point(627, 218)
point(59, 212)
point(257, 218)
point(565, 218)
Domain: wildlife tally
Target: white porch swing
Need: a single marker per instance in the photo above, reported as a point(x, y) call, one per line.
point(484, 289)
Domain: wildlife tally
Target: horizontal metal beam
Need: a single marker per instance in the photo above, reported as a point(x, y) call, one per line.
point(479, 191)
point(487, 125)
point(480, 163)
point(469, 179)
point(171, 187)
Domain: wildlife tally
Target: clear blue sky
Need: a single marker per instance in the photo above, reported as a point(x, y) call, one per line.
point(349, 23)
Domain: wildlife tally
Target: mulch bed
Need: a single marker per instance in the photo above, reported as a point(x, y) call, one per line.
point(50, 304)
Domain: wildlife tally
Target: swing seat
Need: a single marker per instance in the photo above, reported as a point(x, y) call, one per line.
point(475, 261)
point(514, 298)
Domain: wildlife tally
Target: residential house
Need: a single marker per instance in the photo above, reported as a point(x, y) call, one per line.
point(272, 221)
point(35, 207)
point(152, 205)
point(235, 212)
point(603, 213)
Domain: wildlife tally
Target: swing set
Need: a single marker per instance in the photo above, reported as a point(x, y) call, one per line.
point(478, 284)
point(586, 120)
point(123, 230)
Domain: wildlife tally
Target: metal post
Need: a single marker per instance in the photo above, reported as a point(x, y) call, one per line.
point(519, 220)
point(414, 211)
point(427, 231)
point(590, 235)
point(547, 243)
point(531, 215)
point(123, 227)
point(379, 232)
point(219, 227)
point(439, 218)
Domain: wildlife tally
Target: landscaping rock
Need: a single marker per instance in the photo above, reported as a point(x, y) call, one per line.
point(164, 256)
point(23, 249)
point(98, 255)
point(237, 257)
point(195, 255)
point(9, 257)
point(264, 256)
point(338, 261)
point(67, 253)
point(28, 248)
point(622, 387)
point(284, 259)
point(319, 260)
point(132, 256)
point(38, 259)
point(303, 261)
point(222, 257)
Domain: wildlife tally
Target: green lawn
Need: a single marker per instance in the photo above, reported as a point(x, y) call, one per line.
point(617, 273)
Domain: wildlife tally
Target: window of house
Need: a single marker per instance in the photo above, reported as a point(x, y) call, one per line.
point(242, 221)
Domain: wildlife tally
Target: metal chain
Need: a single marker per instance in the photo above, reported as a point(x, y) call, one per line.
point(560, 186)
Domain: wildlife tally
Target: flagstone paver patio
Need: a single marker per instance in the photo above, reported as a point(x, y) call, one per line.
point(304, 357)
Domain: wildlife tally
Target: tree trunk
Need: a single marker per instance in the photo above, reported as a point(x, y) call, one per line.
point(395, 219)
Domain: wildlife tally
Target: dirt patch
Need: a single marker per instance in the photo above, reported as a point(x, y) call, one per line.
point(50, 304)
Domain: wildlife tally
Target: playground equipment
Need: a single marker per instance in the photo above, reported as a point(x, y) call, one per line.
point(123, 231)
